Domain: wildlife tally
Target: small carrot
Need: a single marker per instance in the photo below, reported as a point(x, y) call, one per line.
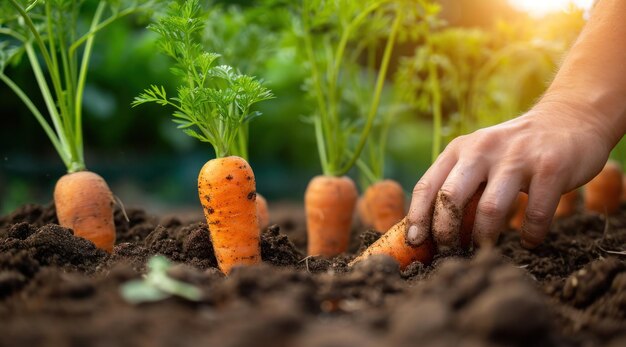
point(384, 201)
point(394, 244)
point(603, 192)
point(363, 212)
point(329, 204)
point(567, 204)
point(84, 203)
point(519, 210)
point(227, 192)
point(624, 188)
point(469, 216)
point(262, 212)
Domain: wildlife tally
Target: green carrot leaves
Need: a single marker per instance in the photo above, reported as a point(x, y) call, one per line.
point(213, 101)
point(59, 52)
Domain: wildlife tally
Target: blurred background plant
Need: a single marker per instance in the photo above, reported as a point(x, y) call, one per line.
point(480, 62)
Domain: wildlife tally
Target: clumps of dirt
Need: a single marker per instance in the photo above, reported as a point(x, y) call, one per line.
point(27, 248)
point(473, 302)
point(37, 215)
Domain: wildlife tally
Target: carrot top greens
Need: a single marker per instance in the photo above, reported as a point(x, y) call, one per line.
point(213, 101)
point(47, 32)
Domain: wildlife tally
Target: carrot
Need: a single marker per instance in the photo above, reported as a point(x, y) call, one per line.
point(469, 216)
point(227, 192)
point(394, 244)
point(262, 212)
point(84, 203)
point(603, 192)
point(329, 204)
point(519, 210)
point(624, 188)
point(363, 212)
point(567, 204)
point(384, 201)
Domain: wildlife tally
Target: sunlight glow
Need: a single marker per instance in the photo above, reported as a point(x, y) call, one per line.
point(543, 7)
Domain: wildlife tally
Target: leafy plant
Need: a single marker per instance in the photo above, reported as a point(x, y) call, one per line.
point(49, 34)
point(157, 285)
point(334, 34)
point(213, 102)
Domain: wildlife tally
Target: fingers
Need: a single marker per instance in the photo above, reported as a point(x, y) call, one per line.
point(454, 194)
point(543, 199)
point(424, 193)
point(493, 208)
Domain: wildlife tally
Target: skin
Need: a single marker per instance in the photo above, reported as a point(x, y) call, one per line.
point(557, 146)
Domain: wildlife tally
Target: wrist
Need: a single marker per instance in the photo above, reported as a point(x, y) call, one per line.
point(607, 119)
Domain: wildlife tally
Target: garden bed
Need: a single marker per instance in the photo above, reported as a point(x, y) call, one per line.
point(56, 289)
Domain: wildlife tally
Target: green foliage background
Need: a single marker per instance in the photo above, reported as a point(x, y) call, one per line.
point(492, 64)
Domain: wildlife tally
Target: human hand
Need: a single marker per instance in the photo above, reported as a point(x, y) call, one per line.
point(549, 151)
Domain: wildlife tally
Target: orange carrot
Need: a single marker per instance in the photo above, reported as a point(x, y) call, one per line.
point(227, 192)
point(394, 244)
point(363, 212)
point(624, 188)
point(84, 203)
point(469, 216)
point(515, 222)
point(384, 201)
point(567, 204)
point(262, 212)
point(329, 204)
point(603, 192)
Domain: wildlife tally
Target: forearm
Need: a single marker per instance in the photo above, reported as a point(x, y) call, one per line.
point(593, 74)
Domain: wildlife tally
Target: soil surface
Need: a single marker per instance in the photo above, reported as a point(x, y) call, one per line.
point(59, 290)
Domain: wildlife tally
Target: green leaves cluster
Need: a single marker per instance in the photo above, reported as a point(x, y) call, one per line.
point(213, 102)
point(49, 34)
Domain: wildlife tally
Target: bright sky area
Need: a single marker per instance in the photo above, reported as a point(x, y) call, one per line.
point(542, 7)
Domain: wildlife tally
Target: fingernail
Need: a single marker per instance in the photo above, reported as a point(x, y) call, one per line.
point(413, 236)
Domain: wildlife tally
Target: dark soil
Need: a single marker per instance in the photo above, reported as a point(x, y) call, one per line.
point(59, 290)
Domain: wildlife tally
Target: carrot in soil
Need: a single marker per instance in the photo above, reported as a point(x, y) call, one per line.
point(329, 204)
point(84, 203)
point(394, 244)
point(227, 192)
point(567, 204)
point(214, 104)
point(383, 201)
point(624, 188)
point(262, 212)
point(58, 45)
point(363, 212)
point(469, 216)
point(515, 222)
point(603, 192)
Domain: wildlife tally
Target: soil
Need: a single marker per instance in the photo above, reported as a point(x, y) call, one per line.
point(59, 290)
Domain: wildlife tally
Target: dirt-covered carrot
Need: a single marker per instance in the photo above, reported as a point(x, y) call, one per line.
point(51, 35)
point(385, 204)
point(227, 192)
point(262, 212)
point(394, 244)
point(603, 192)
point(84, 203)
point(213, 105)
point(329, 206)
